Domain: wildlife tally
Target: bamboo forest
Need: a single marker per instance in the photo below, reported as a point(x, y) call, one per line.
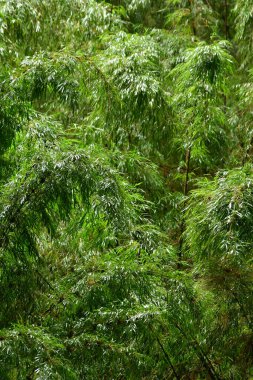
point(126, 189)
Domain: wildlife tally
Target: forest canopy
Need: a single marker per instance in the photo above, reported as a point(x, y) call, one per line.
point(126, 182)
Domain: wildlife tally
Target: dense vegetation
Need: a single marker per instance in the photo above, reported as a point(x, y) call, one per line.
point(126, 181)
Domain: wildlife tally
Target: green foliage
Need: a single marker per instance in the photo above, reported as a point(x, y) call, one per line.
point(195, 17)
point(32, 352)
point(126, 189)
point(244, 13)
point(224, 208)
point(219, 235)
point(14, 113)
point(201, 87)
point(30, 23)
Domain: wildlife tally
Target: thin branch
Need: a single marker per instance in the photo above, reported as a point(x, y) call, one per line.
point(168, 359)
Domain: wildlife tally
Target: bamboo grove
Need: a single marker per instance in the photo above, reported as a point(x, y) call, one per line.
point(126, 181)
